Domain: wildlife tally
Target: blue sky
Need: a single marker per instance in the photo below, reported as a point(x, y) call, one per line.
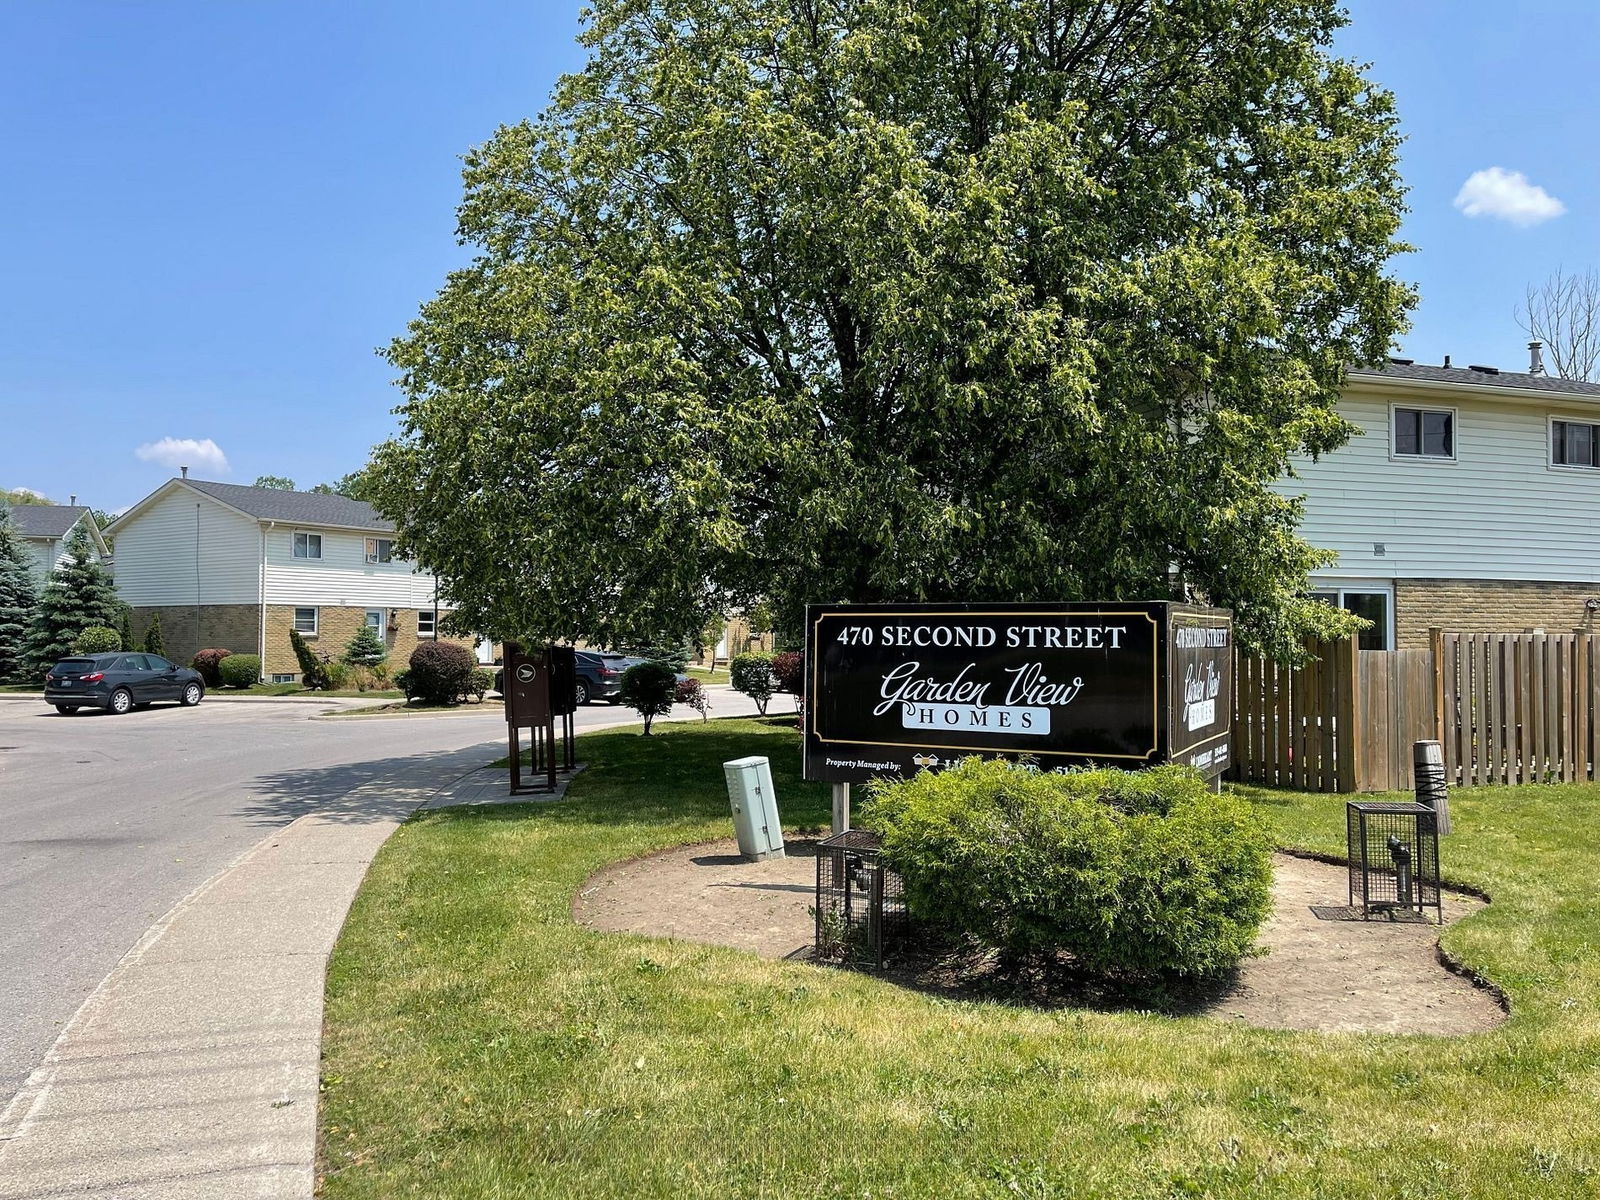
point(213, 213)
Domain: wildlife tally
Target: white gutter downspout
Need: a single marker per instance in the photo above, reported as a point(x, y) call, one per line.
point(262, 596)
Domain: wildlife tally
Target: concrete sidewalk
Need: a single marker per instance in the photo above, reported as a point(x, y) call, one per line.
point(193, 1069)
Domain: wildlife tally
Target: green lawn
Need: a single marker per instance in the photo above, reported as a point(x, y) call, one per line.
point(480, 1044)
point(294, 689)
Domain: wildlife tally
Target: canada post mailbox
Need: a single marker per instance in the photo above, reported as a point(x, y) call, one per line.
point(893, 689)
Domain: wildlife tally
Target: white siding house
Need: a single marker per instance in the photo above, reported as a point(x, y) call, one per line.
point(45, 530)
point(238, 568)
point(1453, 507)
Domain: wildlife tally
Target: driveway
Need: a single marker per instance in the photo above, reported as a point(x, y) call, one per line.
point(107, 822)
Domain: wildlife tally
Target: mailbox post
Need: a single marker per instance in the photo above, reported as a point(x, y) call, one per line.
point(531, 702)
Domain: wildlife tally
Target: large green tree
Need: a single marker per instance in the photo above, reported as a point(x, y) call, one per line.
point(854, 300)
point(79, 594)
point(19, 599)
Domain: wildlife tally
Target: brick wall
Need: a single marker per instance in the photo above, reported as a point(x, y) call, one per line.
point(335, 628)
point(186, 629)
point(1488, 606)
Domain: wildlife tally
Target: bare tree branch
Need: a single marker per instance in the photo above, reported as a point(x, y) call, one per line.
point(1564, 313)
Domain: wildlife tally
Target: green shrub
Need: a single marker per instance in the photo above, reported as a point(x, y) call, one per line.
point(239, 670)
point(752, 674)
point(153, 642)
point(480, 683)
point(313, 671)
point(1128, 871)
point(402, 681)
point(206, 662)
point(97, 639)
point(125, 631)
point(648, 688)
point(335, 675)
point(366, 649)
point(441, 672)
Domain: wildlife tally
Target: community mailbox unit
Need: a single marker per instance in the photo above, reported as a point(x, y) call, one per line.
point(893, 689)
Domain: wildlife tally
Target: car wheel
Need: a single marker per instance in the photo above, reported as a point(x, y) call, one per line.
point(121, 701)
point(68, 709)
point(580, 692)
point(191, 695)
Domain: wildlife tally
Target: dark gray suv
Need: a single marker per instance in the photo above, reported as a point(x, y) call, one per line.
point(118, 682)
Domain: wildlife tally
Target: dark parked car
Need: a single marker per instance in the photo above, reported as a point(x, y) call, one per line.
point(599, 675)
point(118, 682)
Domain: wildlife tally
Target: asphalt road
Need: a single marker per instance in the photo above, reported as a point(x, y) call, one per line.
point(107, 822)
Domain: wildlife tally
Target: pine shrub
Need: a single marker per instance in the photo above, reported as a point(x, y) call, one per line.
point(19, 603)
point(153, 641)
point(1129, 872)
point(125, 631)
point(79, 594)
point(366, 649)
point(313, 676)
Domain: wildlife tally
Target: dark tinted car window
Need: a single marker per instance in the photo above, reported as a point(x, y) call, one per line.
point(74, 666)
point(127, 662)
point(157, 663)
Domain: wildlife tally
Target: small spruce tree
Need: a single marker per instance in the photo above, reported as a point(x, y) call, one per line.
point(126, 630)
point(19, 600)
point(153, 643)
point(366, 649)
point(79, 594)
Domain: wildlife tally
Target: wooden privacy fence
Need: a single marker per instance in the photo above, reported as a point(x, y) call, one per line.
point(1508, 708)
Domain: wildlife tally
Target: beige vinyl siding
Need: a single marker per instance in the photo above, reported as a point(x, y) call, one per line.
point(160, 560)
point(341, 577)
point(1498, 511)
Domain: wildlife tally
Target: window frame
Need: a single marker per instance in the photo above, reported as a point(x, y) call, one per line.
point(1550, 441)
point(1394, 433)
point(1339, 589)
point(373, 551)
point(432, 629)
point(294, 546)
point(316, 619)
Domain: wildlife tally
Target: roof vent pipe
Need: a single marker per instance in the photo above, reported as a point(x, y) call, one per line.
point(72, 502)
point(185, 470)
point(1535, 358)
point(1447, 362)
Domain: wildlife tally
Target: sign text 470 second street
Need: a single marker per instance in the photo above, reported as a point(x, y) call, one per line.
point(894, 689)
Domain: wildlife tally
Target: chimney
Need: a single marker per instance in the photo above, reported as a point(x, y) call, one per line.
point(72, 502)
point(1446, 363)
point(185, 470)
point(1535, 358)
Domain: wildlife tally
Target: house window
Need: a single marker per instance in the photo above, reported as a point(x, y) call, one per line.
point(284, 678)
point(425, 622)
point(1425, 433)
point(1574, 444)
point(1372, 602)
point(380, 550)
point(305, 621)
point(375, 620)
point(308, 545)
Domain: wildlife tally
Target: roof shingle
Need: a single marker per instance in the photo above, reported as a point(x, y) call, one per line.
point(45, 520)
point(1400, 369)
point(300, 508)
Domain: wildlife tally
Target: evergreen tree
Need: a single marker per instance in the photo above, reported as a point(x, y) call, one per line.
point(78, 595)
point(153, 643)
point(19, 598)
point(366, 649)
point(126, 628)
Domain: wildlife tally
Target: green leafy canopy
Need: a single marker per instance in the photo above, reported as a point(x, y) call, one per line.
point(851, 300)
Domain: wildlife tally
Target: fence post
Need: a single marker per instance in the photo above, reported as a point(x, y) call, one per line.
point(1436, 649)
point(1347, 700)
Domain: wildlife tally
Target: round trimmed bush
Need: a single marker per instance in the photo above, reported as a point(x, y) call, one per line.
point(649, 689)
point(97, 639)
point(239, 670)
point(1137, 872)
point(441, 672)
point(752, 674)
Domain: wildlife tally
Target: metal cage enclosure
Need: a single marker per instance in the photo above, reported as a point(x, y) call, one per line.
point(861, 904)
point(1394, 857)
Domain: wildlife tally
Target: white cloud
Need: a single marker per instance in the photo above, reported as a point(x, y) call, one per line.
point(201, 456)
point(1508, 195)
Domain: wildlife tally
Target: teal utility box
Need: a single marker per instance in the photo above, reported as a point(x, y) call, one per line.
point(755, 808)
